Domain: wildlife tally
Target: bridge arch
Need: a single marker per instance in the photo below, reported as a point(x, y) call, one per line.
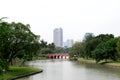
point(59, 56)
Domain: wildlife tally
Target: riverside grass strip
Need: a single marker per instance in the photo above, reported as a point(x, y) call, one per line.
point(110, 63)
point(19, 72)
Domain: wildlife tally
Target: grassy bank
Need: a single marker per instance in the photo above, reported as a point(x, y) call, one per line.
point(17, 71)
point(86, 60)
point(109, 63)
point(116, 64)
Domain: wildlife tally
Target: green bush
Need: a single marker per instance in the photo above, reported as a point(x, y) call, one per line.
point(3, 65)
point(73, 59)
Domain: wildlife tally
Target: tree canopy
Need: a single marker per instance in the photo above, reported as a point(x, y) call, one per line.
point(101, 47)
point(17, 41)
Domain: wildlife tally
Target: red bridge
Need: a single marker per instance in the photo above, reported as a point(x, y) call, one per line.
point(59, 56)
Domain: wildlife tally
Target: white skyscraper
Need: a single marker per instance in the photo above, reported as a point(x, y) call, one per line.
point(58, 37)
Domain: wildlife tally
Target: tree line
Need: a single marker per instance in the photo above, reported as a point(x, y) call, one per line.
point(101, 47)
point(18, 41)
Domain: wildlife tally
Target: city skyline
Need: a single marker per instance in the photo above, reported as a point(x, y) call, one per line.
point(58, 38)
point(76, 17)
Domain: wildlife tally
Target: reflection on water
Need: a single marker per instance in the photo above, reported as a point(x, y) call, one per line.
point(67, 70)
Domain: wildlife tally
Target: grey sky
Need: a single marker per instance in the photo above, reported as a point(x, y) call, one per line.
point(76, 17)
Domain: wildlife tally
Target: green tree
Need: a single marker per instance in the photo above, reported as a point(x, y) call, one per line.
point(51, 46)
point(88, 46)
point(46, 48)
point(106, 50)
point(3, 63)
point(22, 39)
point(43, 44)
point(92, 42)
point(61, 50)
point(118, 48)
point(17, 40)
point(77, 49)
point(46, 51)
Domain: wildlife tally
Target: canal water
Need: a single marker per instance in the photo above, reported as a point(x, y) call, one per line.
point(69, 70)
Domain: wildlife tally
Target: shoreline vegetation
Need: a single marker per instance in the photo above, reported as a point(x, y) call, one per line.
point(16, 72)
point(91, 61)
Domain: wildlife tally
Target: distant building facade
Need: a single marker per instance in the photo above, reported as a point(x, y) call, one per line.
point(58, 37)
point(68, 43)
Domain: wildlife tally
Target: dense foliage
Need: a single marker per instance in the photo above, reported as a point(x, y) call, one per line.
point(77, 49)
point(17, 41)
point(46, 48)
point(61, 50)
point(101, 47)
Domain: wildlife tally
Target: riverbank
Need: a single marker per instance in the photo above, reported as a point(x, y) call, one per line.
point(109, 63)
point(18, 72)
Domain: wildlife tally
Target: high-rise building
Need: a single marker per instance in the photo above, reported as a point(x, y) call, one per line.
point(58, 37)
point(68, 43)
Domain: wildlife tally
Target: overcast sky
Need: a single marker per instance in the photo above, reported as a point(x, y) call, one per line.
point(76, 17)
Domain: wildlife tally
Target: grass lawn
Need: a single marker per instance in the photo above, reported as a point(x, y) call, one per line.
point(17, 71)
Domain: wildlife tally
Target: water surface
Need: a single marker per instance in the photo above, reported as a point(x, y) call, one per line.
point(67, 70)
